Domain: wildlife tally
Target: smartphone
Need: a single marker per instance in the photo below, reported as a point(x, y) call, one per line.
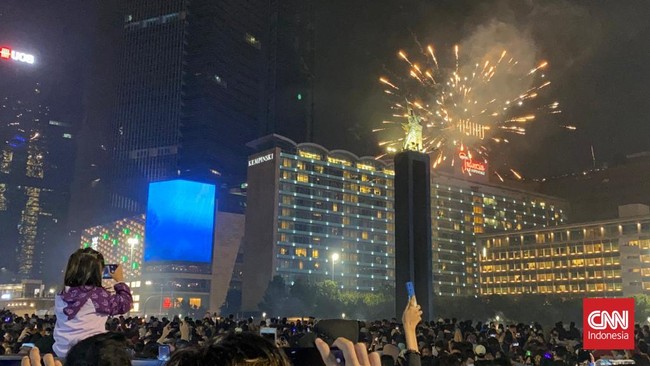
point(304, 356)
point(338, 355)
point(528, 353)
point(410, 289)
point(515, 344)
point(163, 352)
point(269, 333)
point(108, 271)
point(28, 345)
point(548, 355)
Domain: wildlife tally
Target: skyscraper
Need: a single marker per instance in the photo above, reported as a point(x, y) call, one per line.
point(36, 154)
point(190, 92)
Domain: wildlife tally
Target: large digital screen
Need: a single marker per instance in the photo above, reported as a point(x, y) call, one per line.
point(180, 221)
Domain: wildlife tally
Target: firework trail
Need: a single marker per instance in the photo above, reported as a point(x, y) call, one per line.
point(470, 107)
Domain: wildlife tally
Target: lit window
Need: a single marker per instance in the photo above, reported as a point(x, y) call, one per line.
point(195, 302)
point(251, 40)
point(301, 252)
point(220, 81)
point(303, 178)
point(67, 136)
point(314, 253)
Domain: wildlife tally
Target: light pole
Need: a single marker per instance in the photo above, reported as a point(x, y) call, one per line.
point(334, 257)
point(162, 286)
point(132, 242)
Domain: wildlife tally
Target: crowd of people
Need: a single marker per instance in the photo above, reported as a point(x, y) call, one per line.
point(90, 326)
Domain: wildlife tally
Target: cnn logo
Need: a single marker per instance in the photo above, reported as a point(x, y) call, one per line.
point(603, 319)
point(607, 323)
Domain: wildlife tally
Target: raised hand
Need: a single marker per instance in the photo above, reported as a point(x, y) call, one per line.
point(34, 359)
point(354, 354)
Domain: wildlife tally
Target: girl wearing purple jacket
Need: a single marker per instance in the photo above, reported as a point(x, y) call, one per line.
point(84, 305)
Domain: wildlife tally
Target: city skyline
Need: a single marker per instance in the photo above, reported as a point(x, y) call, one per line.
point(317, 79)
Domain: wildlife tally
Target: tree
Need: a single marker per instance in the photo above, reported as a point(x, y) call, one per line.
point(275, 297)
point(302, 297)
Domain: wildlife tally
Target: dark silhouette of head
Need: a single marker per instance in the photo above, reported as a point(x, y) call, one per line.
point(235, 349)
point(106, 349)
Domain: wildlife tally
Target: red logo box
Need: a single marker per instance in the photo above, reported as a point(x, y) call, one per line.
point(608, 323)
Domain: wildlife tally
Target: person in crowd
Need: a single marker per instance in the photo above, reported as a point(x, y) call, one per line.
point(83, 306)
point(235, 349)
point(104, 349)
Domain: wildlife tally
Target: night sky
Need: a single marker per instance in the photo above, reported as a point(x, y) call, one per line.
point(598, 51)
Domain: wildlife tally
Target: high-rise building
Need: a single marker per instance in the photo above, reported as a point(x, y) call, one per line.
point(463, 208)
point(36, 154)
point(318, 214)
point(599, 258)
point(190, 92)
point(324, 214)
point(291, 67)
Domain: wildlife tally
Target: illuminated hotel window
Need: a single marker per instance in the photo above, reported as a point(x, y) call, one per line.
point(365, 166)
point(301, 252)
point(301, 265)
point(338, 161)
point(309, 155)
point(284, 225)
point(303, 178)
point(283, 250)
point(478, 210)
point(314, 253)
point(364, 235)
point(478, 229)
point(286, 162)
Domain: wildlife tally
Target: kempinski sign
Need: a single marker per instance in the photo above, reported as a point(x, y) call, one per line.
point(260, 159)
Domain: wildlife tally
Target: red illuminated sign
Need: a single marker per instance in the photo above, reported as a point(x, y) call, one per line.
point(470, 166)
point(7, 53)
point(167, 303)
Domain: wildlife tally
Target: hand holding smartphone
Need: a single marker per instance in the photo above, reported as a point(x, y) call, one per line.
point(109, 269)
point(410, 289)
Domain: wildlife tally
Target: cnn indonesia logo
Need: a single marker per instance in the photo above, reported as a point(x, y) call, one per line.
point(8, 53)
point(608, 323)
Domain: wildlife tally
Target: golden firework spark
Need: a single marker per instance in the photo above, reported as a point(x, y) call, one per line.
point(470, 105)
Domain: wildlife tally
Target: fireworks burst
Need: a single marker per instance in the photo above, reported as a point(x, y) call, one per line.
point(469, 107)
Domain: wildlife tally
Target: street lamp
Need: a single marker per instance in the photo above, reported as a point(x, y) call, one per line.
point(335, 257)
point(162, 286)
point(132, 242)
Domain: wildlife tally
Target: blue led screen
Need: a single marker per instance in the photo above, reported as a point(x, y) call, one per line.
point(180, 221)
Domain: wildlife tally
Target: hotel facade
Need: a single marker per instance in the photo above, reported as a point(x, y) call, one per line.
point(323, 214)
point(599, 258)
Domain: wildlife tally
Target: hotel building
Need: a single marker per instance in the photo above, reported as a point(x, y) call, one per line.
point(329, 215)
point(599, 258)
point(463, 208)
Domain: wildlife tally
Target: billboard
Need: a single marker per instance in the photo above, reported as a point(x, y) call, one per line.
point(180, 221)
